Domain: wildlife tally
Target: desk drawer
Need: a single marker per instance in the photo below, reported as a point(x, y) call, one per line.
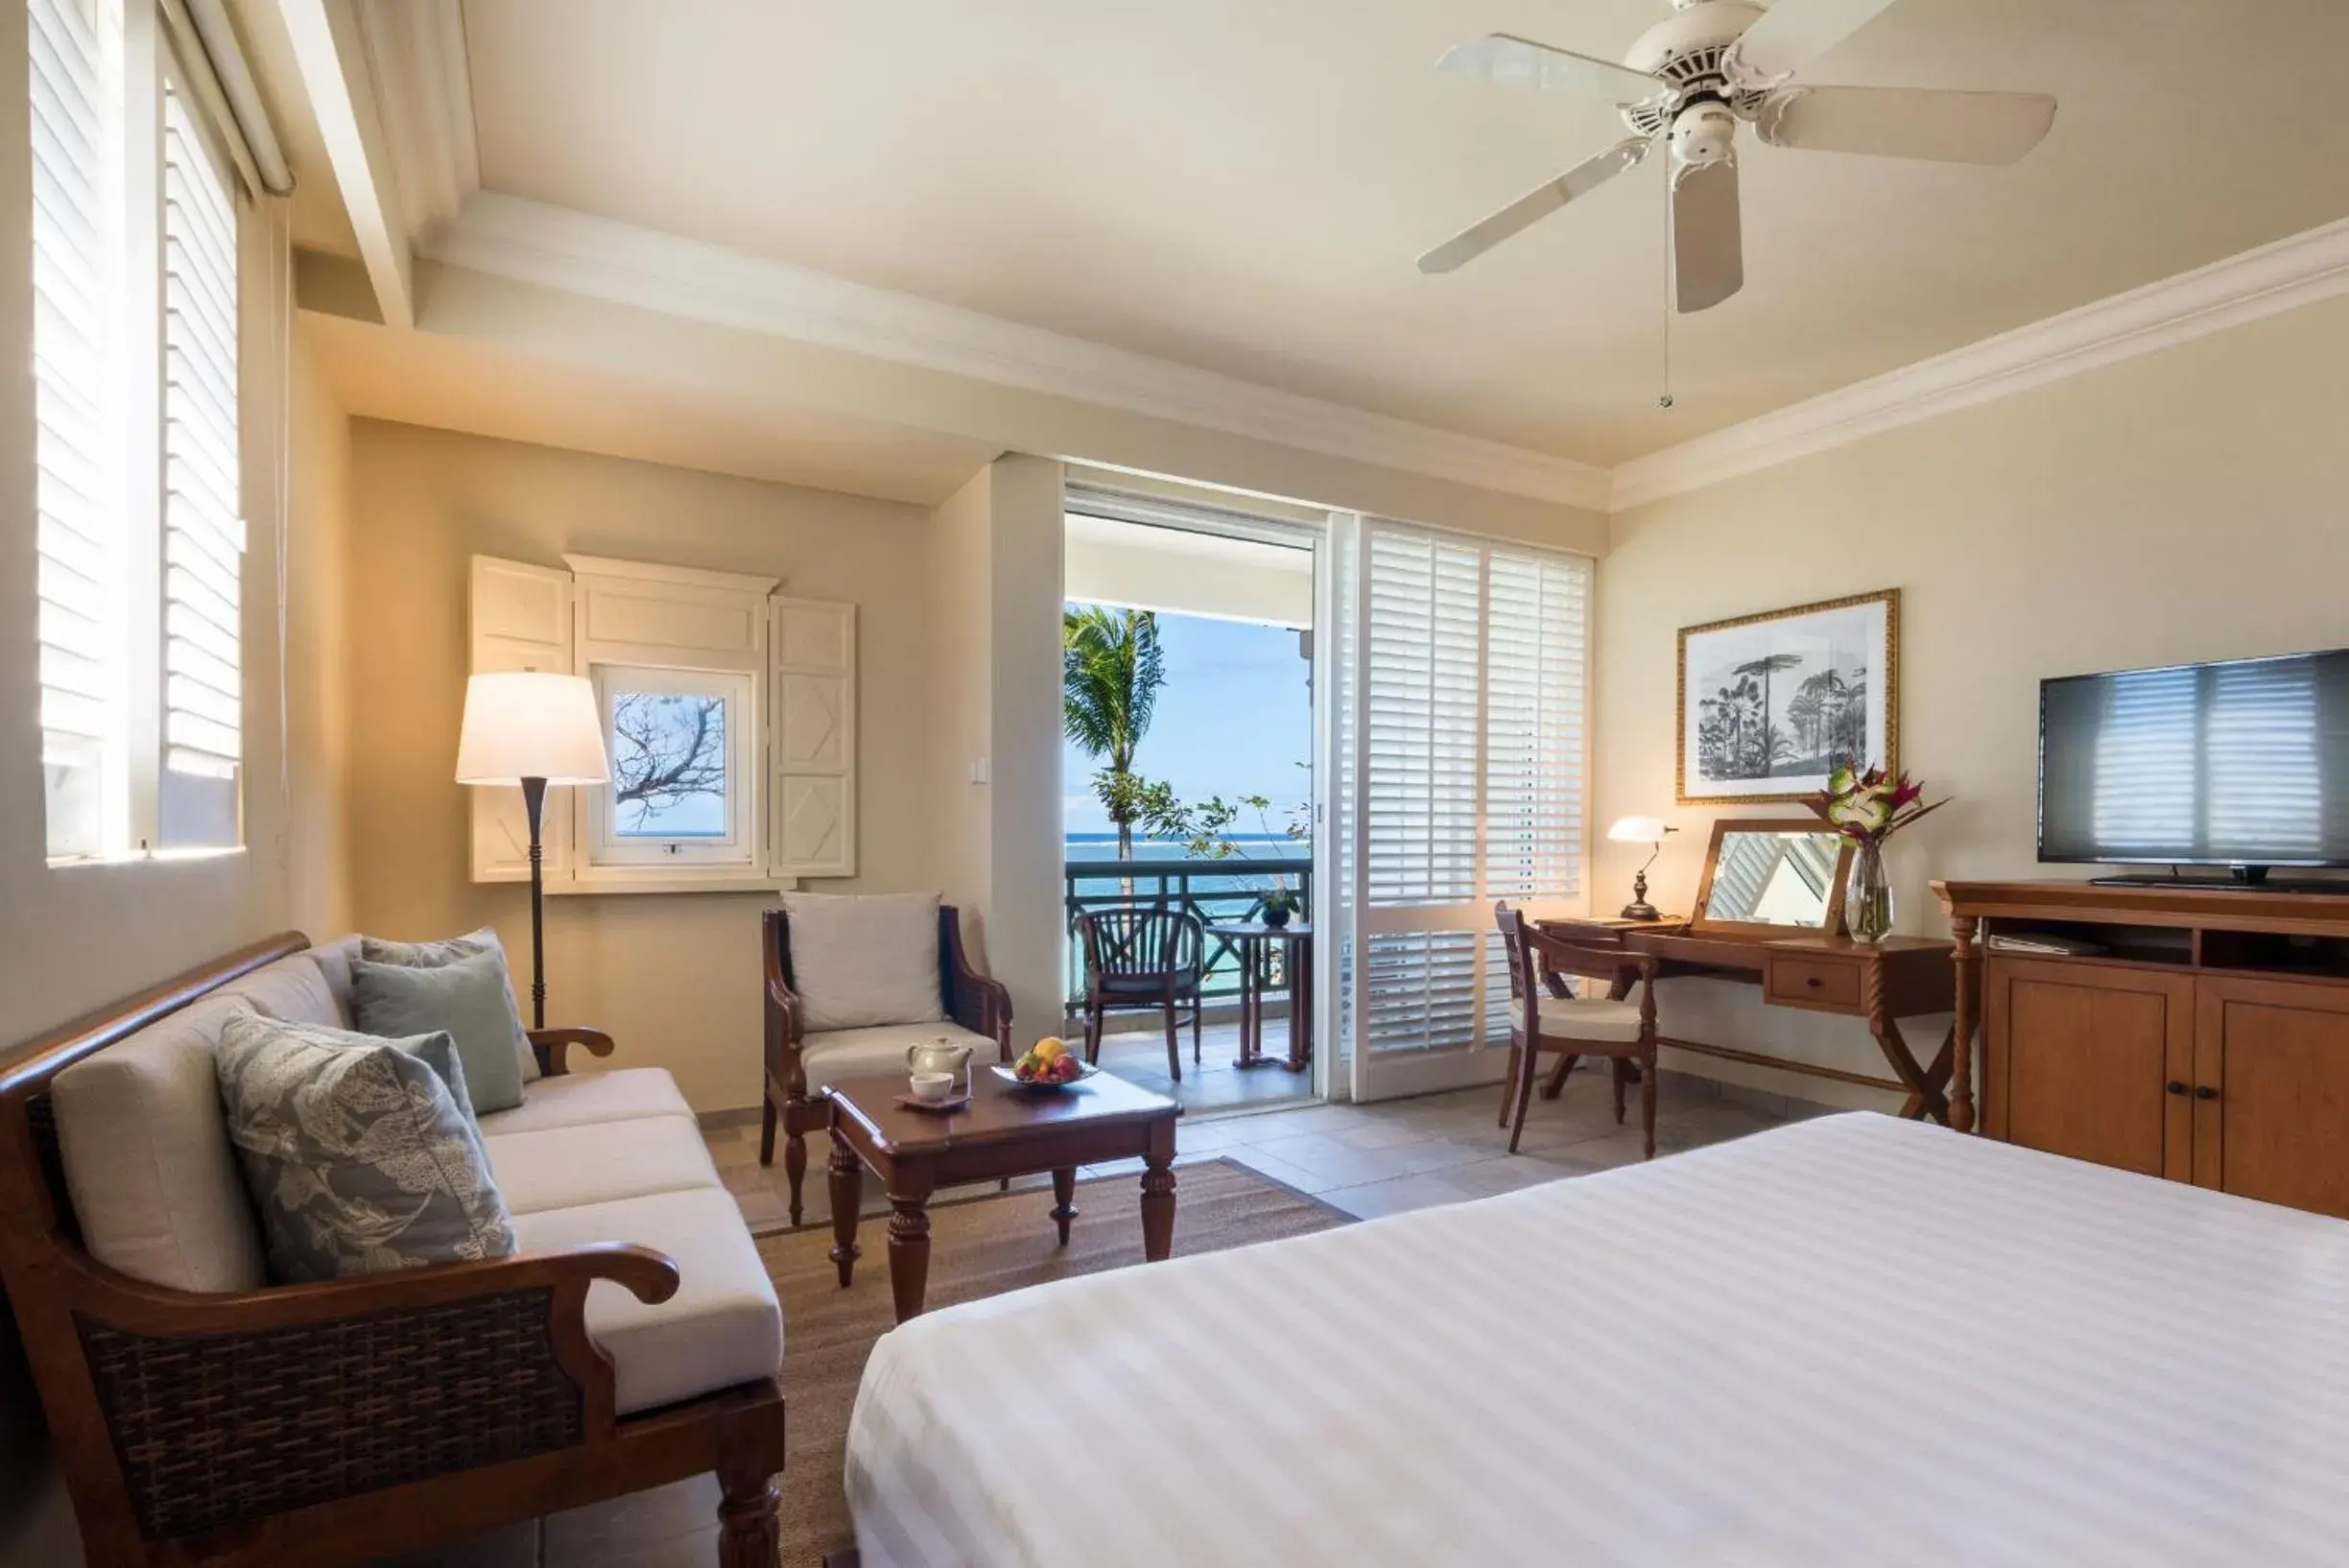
point(1829, 984)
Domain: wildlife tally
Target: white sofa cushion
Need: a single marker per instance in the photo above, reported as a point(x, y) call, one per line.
point(854, 1052)
point(579, 1099)
point(1592, 1018)
point(723, 1326)
point(861, 959)
point(565, 1167)
point(153, 1179)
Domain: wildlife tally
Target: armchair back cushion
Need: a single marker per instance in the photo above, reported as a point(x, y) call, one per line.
point(148, 1161)
point(858, 961)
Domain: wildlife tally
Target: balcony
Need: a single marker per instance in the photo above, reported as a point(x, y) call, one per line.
point(1216, 891)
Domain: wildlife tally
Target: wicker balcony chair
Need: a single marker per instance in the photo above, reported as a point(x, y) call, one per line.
point(1142, 960)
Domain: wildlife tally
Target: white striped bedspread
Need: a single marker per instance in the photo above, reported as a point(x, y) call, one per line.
point(1851, 1340)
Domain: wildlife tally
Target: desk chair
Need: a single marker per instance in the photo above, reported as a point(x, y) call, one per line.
point(1543, 1016)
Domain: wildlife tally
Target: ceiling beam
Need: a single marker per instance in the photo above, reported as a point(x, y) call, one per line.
point(331, 56)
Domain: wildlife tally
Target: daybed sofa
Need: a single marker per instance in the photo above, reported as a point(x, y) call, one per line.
point(203, 1414)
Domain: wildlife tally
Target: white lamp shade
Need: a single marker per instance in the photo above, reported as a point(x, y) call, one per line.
point(531, 724)
point(1637, 830)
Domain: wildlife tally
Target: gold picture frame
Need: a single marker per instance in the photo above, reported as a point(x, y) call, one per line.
point(1833, 716)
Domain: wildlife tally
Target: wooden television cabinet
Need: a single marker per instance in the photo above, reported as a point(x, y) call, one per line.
point(2206, 1040)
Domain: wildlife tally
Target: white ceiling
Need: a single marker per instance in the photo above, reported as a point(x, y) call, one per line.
point(1243, 187)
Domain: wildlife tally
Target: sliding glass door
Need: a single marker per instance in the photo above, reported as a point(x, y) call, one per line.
point(1456, 742)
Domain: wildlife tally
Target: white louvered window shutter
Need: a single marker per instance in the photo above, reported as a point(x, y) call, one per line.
point(203, 525)
point(76, 132)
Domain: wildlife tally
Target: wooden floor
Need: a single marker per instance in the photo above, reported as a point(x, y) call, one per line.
point(1367, 1160)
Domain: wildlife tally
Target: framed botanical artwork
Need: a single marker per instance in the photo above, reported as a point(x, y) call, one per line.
point(1769, 704)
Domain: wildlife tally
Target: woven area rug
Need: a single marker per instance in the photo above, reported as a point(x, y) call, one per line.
point(977, 1249)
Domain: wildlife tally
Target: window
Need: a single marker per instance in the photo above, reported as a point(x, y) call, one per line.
point(729, 723)
point(677, 740)
point(141, 535)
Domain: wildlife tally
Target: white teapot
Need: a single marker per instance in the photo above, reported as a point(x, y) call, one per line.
point(940, 1056)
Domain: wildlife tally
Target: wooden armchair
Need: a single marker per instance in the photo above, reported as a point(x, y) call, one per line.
point(332, 1423)
point(979, 1006)
point(1545, 1017)
point(1143, 959)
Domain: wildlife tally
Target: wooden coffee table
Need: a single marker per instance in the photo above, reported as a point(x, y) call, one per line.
point(1002, 1133)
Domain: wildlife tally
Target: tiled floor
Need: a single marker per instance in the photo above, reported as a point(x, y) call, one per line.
point(1211, 1083)
point(1367, 1160)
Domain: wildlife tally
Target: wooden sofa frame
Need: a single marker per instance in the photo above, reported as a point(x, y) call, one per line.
point(978, 1004)
point(331, 1424)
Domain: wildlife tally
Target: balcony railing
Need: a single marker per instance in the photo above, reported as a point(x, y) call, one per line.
point(1216, 891)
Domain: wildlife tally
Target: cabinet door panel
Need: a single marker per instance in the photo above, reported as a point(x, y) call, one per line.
point(2079, 1055)
point(2278, 1053)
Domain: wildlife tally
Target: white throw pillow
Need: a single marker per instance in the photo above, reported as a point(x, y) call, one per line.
point(861, 959)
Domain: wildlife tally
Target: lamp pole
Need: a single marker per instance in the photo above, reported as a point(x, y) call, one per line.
point(534, 807)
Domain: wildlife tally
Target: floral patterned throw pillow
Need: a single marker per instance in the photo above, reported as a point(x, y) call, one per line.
point(356, 1150)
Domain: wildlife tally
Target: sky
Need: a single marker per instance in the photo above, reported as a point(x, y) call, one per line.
point(1235, 717)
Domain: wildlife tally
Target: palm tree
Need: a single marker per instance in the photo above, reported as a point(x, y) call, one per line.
point(1110, 672)
point(1765, 666)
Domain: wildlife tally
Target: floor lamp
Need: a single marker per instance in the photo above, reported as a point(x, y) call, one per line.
point(532, 729)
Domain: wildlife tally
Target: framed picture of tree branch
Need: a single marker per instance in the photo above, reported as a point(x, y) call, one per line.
point(1769, 704)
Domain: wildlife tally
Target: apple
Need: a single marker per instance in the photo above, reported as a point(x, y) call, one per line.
point(1067, 1069)
point(1025, 1070)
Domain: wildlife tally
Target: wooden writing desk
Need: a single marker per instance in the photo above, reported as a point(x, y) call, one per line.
point(1900, 977)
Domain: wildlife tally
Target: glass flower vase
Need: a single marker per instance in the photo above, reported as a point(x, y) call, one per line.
point(1868, 906)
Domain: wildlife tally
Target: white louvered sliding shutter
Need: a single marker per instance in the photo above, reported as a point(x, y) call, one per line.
point(76, 130)
point(1471, 665)
point(203, 525)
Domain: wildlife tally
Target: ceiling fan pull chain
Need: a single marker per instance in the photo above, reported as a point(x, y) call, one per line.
point(1665, 400)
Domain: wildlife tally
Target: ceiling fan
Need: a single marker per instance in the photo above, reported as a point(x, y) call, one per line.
point(1691, 79)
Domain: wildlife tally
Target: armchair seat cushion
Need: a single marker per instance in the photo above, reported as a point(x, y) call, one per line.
point(853, 1053)
point(723, 1326)
point(603, 1162)
point(582, 1099)
point(1592, 1018)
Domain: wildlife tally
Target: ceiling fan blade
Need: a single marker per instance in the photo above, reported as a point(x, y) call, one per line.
point(1520, 62)
point(1793, 32)
point(1708, 249)
point(1523, 213)
point(1908, 122)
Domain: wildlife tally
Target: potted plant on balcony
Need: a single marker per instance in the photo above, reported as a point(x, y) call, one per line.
point(1278, 904)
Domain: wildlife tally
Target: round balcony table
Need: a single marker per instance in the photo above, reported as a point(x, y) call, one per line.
point(1254, 941)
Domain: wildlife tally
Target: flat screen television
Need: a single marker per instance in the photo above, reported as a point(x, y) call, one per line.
point(2243, 763)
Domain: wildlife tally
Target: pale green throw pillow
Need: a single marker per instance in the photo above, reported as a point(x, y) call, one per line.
point(355, 1151)
point(465, 997)
point(432, 955)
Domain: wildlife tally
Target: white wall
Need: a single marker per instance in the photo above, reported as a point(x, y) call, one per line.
point(996, 618)
point(2189, 505)
point(672, 976)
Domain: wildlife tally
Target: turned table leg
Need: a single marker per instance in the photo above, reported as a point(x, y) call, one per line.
point(847, 1196)
point(1158, 1195)
point(1968, 960)
point(909, 1249)
point(1064, 1199)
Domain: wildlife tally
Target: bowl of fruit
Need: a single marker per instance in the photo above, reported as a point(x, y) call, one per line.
point(1048, 1065)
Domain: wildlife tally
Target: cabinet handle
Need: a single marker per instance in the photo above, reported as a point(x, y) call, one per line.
point(2203, 1091)
point(2174, 1087)
point(1812, 980)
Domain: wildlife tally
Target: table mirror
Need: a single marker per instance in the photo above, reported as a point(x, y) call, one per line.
point(1773, 877)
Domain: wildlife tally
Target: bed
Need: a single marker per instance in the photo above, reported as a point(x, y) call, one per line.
point(1749, 1355)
